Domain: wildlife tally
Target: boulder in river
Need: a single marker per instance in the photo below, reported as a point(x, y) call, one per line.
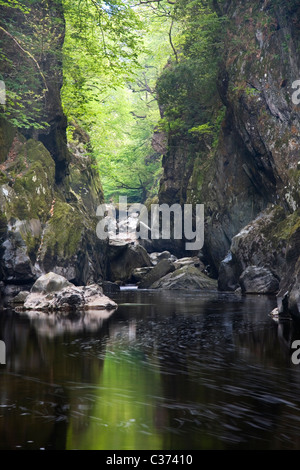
point(139, 273)
point(20, 297)
point(50, 282)
point(185, 278)
point(258, 280)
point(157, 256)
point(189, 261)
point(52, 292)
point(164, 267)
point(109, 287)
point(128, 258)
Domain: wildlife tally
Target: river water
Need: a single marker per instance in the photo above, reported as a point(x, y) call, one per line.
point(165, 371)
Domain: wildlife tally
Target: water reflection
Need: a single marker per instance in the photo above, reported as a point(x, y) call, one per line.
point(166, 370)
point(53, 324)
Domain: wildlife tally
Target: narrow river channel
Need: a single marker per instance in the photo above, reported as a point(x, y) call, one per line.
point(166, 370)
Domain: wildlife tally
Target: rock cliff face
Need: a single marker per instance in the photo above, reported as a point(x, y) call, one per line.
point(48, 192)
point(250, 183)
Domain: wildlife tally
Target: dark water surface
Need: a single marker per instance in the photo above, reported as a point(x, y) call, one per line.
point(167, 370)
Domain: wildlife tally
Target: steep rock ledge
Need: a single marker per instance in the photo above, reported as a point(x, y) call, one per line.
point(250, 182)
point(48, 192)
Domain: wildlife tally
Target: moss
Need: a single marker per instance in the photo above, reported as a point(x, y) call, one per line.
point(33, 185)
point(7, 133)
point(20, 208)
point(32, 244)
point(29, 170)
point(83, 176)
point(3, 178)
point(278, 229)
point(33, 195)
point(3, 225)
point(64, 230)
point(37, 152)
point(288, 226)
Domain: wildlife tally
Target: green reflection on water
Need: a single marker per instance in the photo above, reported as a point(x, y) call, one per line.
point(125, 410)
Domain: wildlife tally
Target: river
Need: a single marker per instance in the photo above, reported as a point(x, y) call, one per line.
point(166, 370)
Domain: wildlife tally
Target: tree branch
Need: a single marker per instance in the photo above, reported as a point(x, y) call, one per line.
point(171, 42)
point(137, 116)
point(147, 2)
point(126, 186)
point(29, 55)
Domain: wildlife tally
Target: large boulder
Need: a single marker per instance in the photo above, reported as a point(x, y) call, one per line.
point(83, 298)
point(164, 267)
point(19, 298)
point(294, 298)
point(189, 261)
point(139, 273)
point(72, 298)
point(52, 292)
point(129, 257)
point(157, 256)
point(109, 287)
point(49, 283)
point(262, 243)
point(185, 278)
point(258, 280)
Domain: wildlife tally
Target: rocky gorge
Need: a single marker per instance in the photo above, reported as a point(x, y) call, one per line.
point(248, 181)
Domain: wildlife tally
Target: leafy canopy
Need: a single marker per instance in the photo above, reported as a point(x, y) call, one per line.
point(187, 87)
point(114, 100)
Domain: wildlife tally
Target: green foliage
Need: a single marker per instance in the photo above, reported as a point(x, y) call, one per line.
point(100, 51)
point(101, 48)
point(27, 30)
point(116, 84)
point(203, 129)
point(14, 4)
point(131, 168)
point(187, 87)
point(115, 102)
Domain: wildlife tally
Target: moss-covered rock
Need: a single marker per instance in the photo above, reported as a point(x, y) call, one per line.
point(63, 231)
point(43, 228)
point(185, 278)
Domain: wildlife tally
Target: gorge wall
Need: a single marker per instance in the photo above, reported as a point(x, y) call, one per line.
point(247, 174)
point(249, 182)
point(49, 192)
